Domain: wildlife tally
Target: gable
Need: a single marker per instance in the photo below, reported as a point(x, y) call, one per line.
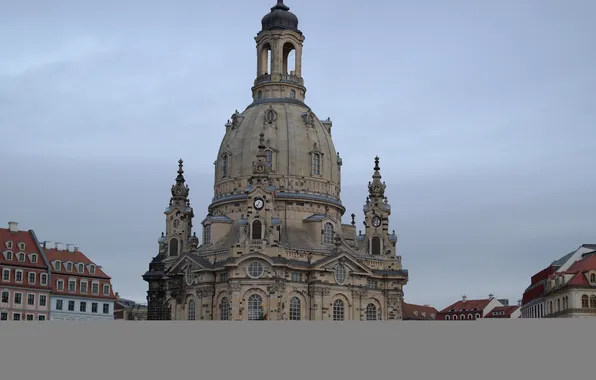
point(185, 260)
point(345, 258)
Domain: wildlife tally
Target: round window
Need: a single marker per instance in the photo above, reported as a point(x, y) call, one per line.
point(255, 269)
point(340, 274)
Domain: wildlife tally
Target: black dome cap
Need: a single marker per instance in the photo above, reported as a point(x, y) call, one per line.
point(280, 17)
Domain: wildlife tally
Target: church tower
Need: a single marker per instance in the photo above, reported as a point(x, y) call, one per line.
point(274, 245)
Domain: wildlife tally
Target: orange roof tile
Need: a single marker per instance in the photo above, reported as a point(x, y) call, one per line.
point(411, 311)
point(583, 265)
point(507, 311)
point(468, 305)
point(74, 257)
point(26, 237)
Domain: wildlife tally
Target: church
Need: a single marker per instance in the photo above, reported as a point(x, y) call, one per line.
point(272, 245)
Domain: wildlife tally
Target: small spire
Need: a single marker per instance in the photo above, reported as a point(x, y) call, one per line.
point(280, 5)
point(180, 177)
point(353, 219)
point(377, 164)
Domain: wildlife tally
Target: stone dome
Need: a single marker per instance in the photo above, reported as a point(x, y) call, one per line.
point(280, 18)
point(299, 148)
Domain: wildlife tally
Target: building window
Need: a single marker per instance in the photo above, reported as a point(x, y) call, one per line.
point(455, 317)
point(593, 302)
point(81, 268)
point(316, 164)
point(16, 316)
point(84, 286)
point(224, 166)
point(371, 312)
point(106, 290)
point(95, 288)
point(558, 304)
point(59, 304)
point(293, 94)
point(31, 277)
point(106, 308)
point(83, 307)
point(57, 266)
point(296, 276)
point(375, 245)
point(41, 317)
point(328, 233)
point(192, 311)
point(71, 305)
point(72, 285)
point(260, 95)
point(29, 317)
point(255, 269)
point(257, 229)
point(371, 284)
point(94, 307)
point(207, 234)
point(340, 274)
point(69, 267)
point(5, 296)
point(9, 255)
point(22, 257)
point(19, 276)
point(60, 285)
point(585, 301)
point(31, 299)
point(224, 309)
point(447, 318)
point(295, 309)
point(34, 258)
point(22, 246)
point(43, 299)
point(223, 277)
point(477, 316)
point(255, 307)
point(18, 298)
point(9, 244)
point(173, 247)
point(3, 316)
point(6, 275)
point(43, 279)
point(593, 277)
point(92, 269)
point(470, 316)
point(338, 310)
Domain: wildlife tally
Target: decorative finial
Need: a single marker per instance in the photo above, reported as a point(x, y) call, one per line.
point(280, 5)
point(180, 170)
point(353, 219)
point(377, 163)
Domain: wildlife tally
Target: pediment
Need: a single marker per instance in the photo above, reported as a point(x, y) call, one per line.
point(316, 218)
point(342, 258)
point(195, 262)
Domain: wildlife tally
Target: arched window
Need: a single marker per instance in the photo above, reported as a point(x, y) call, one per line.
point(295, 309)
point(260, 95)
point(316, 164)
point(477, 316)
point(255, 269)
point(558, 304)
point(173, 247)
point(192, 310)
point(585, 301)
point(371, 312)
point(224, 309)
point(269, 158)
point(255, 310)
point(375, 245)
point(593, 277)
point(224, 166)
point(340, 274)
point(207, 234)
point(338, 310)
point(593, 302)
point(447, 318)
point(257, 229)
point(328, 233)
point(293, 94)
point(470, 316)
point(462, 317)
point(454, 317)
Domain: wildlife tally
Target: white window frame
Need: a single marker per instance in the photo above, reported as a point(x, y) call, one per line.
point(104, 289)
point(14, 298)
point(33, 258)
point(92, 269)
point(70, 281)
point(16, 272)
point(93, 284)
point(43, 279)
point(29, 295)
point(60, 285)
point(42, 296)
point(103, 308)
point(86, 283)
point(29, 277)
point(6, 271)
point(58, 265)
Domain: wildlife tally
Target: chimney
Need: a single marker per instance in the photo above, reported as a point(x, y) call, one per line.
point(519, 302)
point(13, 226)
point(116, 294)
point(464, 298)
point(57, 245)
point(491, 296)
point(45, 244)
point(69, 247)
point(76, 248)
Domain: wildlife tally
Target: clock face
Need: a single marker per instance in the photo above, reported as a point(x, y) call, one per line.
point(376, 221)
point(176, 223)
point(259, 203)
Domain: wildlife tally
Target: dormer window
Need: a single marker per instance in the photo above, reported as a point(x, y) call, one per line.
point(69, 267)
point(22, 257)
point(92, 269)
point(22, 246)
point(9, 244)
point(8, 255)
point(33, 258)
point(593, 278)
point(106, 290)
point(57, 265)
point(81, 268)
point(415, 312)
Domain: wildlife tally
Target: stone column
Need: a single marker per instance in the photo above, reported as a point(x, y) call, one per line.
point(234, 291)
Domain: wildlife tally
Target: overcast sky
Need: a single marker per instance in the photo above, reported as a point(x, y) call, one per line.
point(483, 114)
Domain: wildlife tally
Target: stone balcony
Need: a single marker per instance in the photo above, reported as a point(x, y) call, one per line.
point(279, 78)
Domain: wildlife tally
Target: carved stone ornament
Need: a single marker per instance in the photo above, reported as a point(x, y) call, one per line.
point(234, 287)
point(270, 115)
point(308, 119)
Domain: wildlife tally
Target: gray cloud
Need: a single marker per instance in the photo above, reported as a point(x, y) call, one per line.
point(483, 115)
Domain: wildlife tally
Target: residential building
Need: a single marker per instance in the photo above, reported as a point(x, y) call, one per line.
point(533, 301)
point(24, 276)
point(80, 288)
point(412, 312)
point(129, 310)
point(509, 312)
point(273, 243)
point(571, 293)
point(466, 309)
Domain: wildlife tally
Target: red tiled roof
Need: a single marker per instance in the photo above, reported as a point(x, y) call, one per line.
point(583, 265)
point(74, 257)
point(31, 246)
point(411, 311)
point(507, 311)
point(579, 279)
point(468, 305)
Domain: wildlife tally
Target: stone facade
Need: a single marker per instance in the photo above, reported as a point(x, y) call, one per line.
point(273, 245)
